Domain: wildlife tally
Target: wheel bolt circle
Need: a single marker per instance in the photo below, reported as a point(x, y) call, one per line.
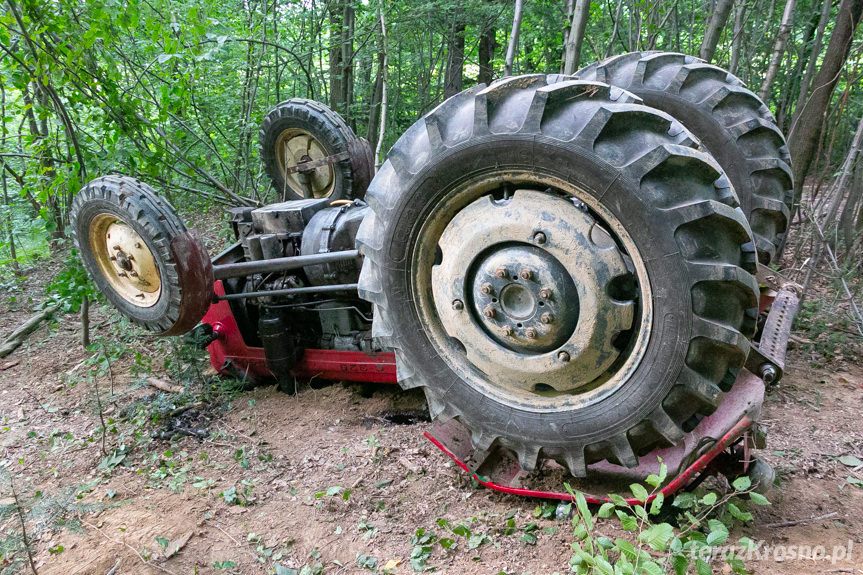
point(486, 288)
point(546, 318)
point(525, 274)
point(530, 333)
point(563, 356)
point(457, 304)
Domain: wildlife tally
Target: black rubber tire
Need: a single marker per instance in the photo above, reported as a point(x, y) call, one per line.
point(179, 307)
point(732, 123)
point(674, 201)
point(352, 175)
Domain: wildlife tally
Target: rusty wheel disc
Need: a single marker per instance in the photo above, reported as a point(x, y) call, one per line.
point(295, 146)
point(538, 297)
point(125, 260)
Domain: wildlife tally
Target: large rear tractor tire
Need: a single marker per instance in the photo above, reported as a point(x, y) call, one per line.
point(559, 270)
point(732, 123)
point(300, 130)
point(140, 254)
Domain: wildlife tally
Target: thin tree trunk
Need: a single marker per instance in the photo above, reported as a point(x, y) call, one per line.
point(806, 81)
point(568, 7)
point(850, 211)
point(487, 45)
point(9, 229)
point(513, 39)
point(453, 77)
point(336, 14)
point(576, 36)
point(377, 94)
point(737, 40)
point(347, 67)
point(382, 130)
point(837, 191)
point(806, 133)
point(714, 30)
point(778, 49)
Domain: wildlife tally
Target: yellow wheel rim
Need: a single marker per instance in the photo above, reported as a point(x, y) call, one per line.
point(125, 260)
point(292, 146)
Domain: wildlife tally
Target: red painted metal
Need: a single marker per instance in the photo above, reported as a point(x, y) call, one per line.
point(669, 489)
point(229, 350)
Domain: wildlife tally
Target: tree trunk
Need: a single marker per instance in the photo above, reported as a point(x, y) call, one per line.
point(569, 6)
point(843, 182)
point(714, 29)
point(807, 130)
point(778, 49)
point(513, 39)
point(487, 45)
point(453, 77)
point(737, 40)
point(337, 90)
point(806, 81)
point(347, 63)
point(382, 130)
point(576, 36)
point(377, 94)
point(850, 212)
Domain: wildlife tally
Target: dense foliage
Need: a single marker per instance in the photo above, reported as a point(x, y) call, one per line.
point(173, 91)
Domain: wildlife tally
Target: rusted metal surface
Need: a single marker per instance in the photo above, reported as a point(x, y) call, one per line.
point(195, 271)
point(242, 269)
point(767, 359)
point(523, 286)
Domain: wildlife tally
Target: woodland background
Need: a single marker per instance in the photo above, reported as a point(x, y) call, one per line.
point(172, 91)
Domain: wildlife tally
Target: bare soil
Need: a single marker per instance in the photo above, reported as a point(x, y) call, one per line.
point(321, 477)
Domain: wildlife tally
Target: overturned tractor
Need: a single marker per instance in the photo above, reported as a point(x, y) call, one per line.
point(572, 268)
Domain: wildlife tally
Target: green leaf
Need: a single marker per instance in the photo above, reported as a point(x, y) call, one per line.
point(850, 461)
point(475, 541)
point(708, 499)
point(718, 532)
point(679, 563)
point(583, 510)
point(758, 499)
point(163, 543)
point(651, 568)
point(742, 483)
point(282, 570)
point(639, 492)
point(684, 500)
point(738, 514)
point(617, 500)
point(656, 504)
point(702, 567)
point(605, 510)
point(627, 521)
point(657, 536)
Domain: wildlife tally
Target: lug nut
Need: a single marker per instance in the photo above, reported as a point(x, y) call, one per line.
point(539, 238)
point(457, 304)
point(117, 248)
point(530, 333)
point(138, 245)
point(546, 318)
point(500, 272)
point(768, 374)
point(122, 275)
point(133, 273)
point(563, 356)
point(507, 330)
point(488, 312)
point(485, 288)
point(525, 274)
point(545, 293)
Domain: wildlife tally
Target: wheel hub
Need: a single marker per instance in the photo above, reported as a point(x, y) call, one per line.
point(524, 298)
point(296, 146)
point(125, 260)
point(522, 286)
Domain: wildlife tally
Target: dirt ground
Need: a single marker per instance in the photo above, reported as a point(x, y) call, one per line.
point(321, 478)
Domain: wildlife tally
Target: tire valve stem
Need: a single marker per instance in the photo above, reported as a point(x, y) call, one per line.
point(530, 333)
point(457, 304)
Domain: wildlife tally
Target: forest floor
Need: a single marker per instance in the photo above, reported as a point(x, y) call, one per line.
point(320, 478)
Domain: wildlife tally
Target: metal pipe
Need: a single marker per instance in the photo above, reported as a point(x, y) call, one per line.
point(241, 269)
point(290, 291)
